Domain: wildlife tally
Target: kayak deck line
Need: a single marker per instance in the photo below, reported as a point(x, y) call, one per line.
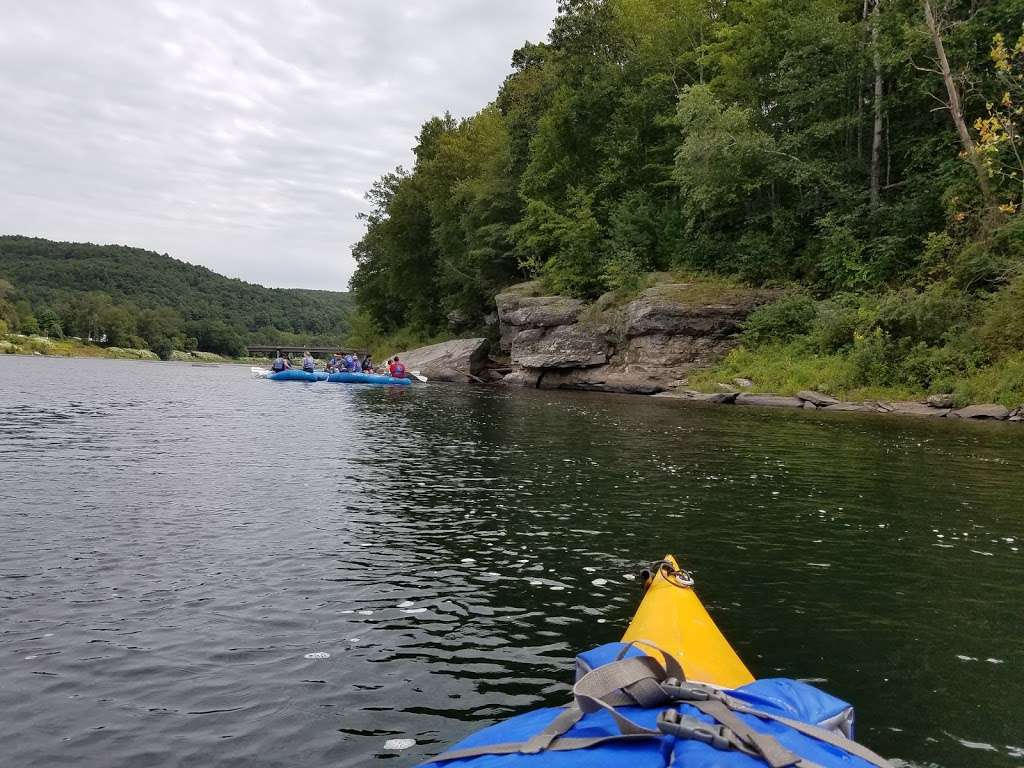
point(671, 618)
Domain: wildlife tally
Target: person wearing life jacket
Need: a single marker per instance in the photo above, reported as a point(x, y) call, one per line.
point(308, 363)
point(398, 369)
point(335, 363)
point(280, 363)
point(367, 364)
point(357, 367)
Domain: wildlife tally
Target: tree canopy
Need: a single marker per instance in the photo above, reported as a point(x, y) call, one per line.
point(821, 142)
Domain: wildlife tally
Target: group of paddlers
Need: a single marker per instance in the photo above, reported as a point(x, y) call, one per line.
point(338, 363)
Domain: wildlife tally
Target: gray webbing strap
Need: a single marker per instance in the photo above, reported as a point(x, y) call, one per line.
point(766, 746)
point(672, 665)
point(627, 682)
point(834, 738)
point(696, 694)
point(635, 681)
point(559, 745)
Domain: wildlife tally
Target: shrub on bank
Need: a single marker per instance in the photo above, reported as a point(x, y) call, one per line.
point(782, 321)
point(902, 344)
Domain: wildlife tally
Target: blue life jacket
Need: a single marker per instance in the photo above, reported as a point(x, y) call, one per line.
point(629, 712)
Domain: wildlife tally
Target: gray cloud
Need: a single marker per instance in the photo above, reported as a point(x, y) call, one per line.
point(237, 136)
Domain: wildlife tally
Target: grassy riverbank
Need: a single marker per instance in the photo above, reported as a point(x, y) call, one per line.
point(903, 345)
point(19, 344)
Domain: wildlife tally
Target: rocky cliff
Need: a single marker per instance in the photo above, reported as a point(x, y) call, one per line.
point(645, 346)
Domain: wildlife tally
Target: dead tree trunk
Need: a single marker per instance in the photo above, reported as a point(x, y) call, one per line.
point(955, 107)
point(876, 139)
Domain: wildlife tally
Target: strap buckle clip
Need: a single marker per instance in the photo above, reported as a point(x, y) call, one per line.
point(682, 690)
point(682, 726)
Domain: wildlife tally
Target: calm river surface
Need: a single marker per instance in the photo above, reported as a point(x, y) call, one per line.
point(175, 539)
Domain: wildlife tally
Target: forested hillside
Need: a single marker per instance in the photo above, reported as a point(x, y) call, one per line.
point(866, 153)
point(135, 297)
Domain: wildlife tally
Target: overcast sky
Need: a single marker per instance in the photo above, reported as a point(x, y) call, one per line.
point(237, 135)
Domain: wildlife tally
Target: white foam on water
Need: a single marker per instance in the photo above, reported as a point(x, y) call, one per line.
point(406, 604)
point(820, 565)
point(399, 744)
point(468, 560)
point(599, 582)
point(29, 658)
point(317, 655)
point(557, 588)
point(355, 639)
point(48, 634)
point(629, 576)
point(983, 746)
point(986, 554)
point(414, 610)
point(365, 613)
point(990, 660)
point(966, 658)
point(602, 621)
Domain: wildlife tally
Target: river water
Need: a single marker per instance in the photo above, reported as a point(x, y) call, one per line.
point(175, 540)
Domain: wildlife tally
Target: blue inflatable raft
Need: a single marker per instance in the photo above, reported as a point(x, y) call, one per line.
point(338, 378)
point(686, 702)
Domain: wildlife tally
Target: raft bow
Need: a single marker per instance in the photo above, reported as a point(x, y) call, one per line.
point(672, 694)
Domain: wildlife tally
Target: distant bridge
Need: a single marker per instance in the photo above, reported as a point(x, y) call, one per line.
point(271, 351)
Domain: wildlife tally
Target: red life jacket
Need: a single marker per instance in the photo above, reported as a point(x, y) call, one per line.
point(398, 371)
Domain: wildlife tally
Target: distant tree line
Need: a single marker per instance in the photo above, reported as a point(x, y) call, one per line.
point(134, 298)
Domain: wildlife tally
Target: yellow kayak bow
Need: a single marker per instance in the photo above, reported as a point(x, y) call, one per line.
point(672, 618)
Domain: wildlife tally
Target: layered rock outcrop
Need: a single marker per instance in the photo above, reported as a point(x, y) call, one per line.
point(643, 347)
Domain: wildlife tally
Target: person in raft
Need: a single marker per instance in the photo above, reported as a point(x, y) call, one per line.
point(367, 364)
point(335, 363)
point(397, 369)
point(280, 363)
point(308, 363)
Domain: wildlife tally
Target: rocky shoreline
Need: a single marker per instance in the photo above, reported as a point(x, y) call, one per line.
point(645, 346)
point(935, 406)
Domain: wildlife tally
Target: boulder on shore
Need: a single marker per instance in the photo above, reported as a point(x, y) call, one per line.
point(986, 411)
point(522, 378)
point(564, 346)
point(940, 401)
point(856, 407)
point(604, 378)
point(816, 398)
point(769, 401)
point(917, 409)
point(453, 360)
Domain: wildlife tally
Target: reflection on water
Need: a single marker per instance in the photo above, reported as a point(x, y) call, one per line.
point(201, 568)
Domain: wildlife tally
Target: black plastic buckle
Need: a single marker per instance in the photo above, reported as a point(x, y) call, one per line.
point(682, 726)
point(684, 691)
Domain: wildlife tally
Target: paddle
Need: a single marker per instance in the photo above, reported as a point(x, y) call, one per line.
point(416, 375)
